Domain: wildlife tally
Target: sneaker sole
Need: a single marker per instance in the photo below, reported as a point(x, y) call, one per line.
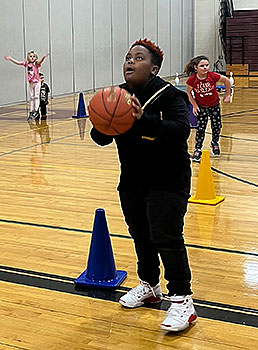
point(182, 328)
point(215, 154)
point(151, 300)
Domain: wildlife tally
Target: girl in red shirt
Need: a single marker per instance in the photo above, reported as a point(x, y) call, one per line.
point(203, 95)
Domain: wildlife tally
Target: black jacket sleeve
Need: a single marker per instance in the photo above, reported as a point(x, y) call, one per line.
point(99, 138)
point(167, 117)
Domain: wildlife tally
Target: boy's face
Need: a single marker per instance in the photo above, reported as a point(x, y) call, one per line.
point(138, 67)
point(42, 79)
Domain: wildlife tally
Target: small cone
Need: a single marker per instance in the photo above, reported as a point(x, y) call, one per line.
point(81, 111)
point(101, 270)
point(81, 125)
point(205, 191)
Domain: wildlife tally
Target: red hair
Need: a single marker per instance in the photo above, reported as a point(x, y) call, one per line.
point(152, 47)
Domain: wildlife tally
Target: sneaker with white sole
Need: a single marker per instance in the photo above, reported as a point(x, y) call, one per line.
point(180, 314)
point(141, 295)
point(215, 148)
point(197, 155)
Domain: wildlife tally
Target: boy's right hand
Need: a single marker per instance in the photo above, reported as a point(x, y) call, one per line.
point(137, 106)
point(7, 58)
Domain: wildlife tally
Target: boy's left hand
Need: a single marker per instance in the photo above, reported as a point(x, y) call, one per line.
point(138, 108)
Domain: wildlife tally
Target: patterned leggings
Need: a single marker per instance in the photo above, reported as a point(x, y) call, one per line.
point(202, 121)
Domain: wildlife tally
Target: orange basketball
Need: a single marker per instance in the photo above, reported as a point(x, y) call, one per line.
point(111, 111)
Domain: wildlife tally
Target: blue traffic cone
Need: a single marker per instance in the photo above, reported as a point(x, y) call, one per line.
point(101, 270)
point(81, 111)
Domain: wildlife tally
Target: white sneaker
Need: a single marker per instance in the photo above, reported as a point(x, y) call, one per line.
point(141, 294)
point(180, 314)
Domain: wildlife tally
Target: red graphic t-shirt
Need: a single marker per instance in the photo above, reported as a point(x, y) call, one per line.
point(205, 92)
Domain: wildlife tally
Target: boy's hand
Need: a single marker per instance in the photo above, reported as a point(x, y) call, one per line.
point(7, 58)
point(137, 106)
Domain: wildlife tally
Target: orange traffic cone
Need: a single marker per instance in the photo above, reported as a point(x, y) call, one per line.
point(205, 191)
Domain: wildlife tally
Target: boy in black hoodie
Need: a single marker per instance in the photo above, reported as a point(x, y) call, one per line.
point(154, 184)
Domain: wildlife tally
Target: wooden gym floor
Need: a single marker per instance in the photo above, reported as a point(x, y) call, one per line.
point(52, 181)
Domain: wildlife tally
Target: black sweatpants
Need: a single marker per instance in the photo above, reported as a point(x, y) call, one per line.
point(43, 108)
point(155, 220)
point(202, 120)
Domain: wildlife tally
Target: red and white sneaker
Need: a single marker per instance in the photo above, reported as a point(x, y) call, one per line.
point(141, 295)
point(180, 314)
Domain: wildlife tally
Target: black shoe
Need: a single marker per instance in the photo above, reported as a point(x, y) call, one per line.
point(36, 114)
point(215, 148)
point(30, 117)
point(197, 155)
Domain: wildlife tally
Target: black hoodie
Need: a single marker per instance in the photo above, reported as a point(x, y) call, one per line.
point(153, 153)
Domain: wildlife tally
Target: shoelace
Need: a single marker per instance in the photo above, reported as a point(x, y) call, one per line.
point(176, 308)
point(153, 292)
point(142, 288)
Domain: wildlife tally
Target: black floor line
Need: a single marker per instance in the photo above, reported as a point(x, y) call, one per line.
point(214, 311)
point(225, 250)
point(234, 177)
point(233, 137)
point(239, 113)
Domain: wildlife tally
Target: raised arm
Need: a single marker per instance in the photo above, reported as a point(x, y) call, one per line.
point(9, 58)
point(43, 58)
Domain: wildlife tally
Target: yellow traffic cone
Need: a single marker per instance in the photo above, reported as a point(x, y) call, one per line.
point(205, 191)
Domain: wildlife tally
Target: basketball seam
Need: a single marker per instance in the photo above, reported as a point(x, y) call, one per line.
point(120, 91)
point(112, 116)
point(103, 117)
point(99, 115)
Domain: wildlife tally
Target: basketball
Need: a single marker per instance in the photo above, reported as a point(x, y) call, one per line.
point(111, 111)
